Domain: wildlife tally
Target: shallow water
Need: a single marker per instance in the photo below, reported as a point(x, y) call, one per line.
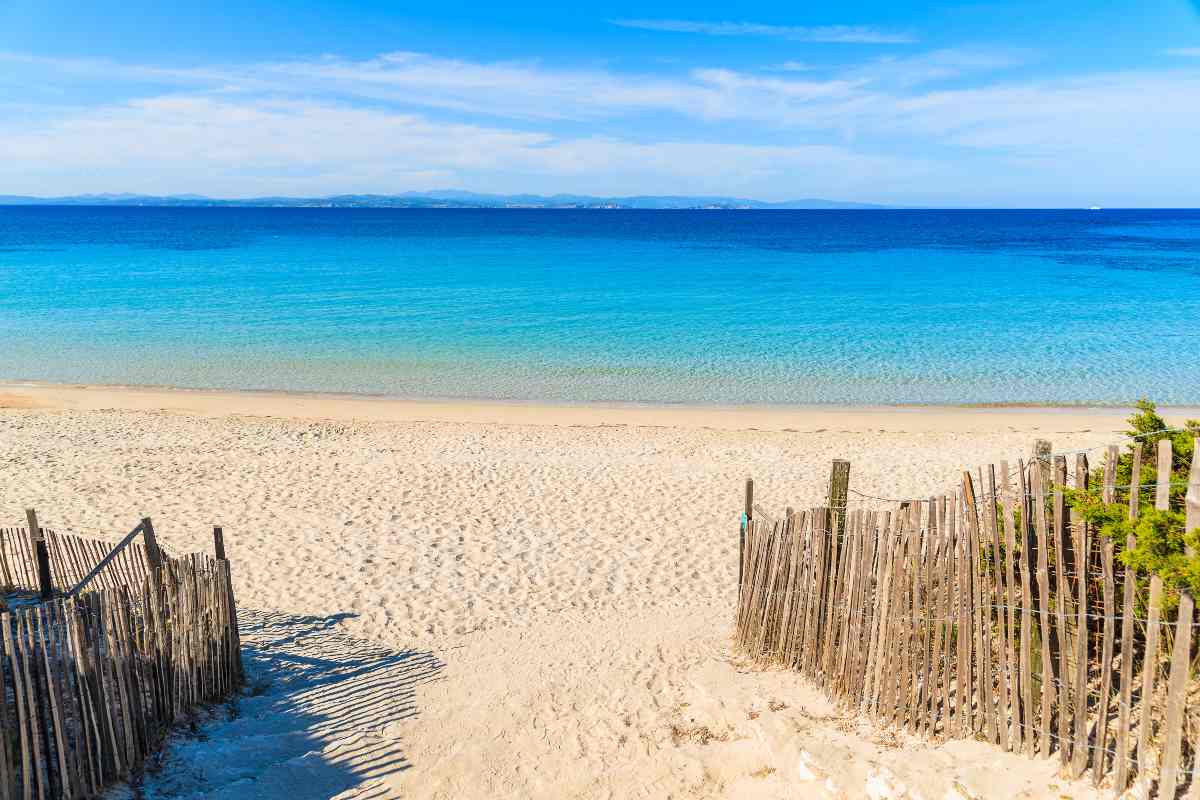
point(668, 306)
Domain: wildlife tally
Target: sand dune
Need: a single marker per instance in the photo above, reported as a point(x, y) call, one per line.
point(538, 608)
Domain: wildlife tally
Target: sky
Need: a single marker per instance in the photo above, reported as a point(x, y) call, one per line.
point(998, 104)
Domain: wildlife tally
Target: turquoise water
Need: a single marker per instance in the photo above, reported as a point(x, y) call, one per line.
point(856, 307)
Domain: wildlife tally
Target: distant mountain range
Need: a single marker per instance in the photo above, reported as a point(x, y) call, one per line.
point(437, 199)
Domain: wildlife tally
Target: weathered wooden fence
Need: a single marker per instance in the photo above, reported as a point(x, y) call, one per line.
point(71, 558)
point(92, 681)
point(992, 612)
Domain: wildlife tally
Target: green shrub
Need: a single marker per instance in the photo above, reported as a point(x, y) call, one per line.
point(1162, 542)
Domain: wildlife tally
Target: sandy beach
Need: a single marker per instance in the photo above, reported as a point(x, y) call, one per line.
point(470, 600)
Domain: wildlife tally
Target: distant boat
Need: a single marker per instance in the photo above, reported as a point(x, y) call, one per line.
point(1094, 208)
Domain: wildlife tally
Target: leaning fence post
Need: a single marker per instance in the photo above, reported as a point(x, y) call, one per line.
point(839, 488)
point(749, 512)
point(37, 540)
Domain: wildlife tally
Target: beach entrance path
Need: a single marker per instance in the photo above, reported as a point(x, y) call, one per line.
point(534, 609)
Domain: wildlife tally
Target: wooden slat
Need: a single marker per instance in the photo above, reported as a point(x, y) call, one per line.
point(879, 629)
point(1081, 540)
point(790, 592)
point(107, 559)
point(966, 687)
point(41, 554)
point(28, 562)
point(888, 651)
point(915, 658)
point(982, 613)
point(1028, 715)
point(33, 703)
point(1103, 695)
point(1177, 691)
point(906, 674)
point(1106, 657)
point(1162, 494)
point(921, 638)
point(1010, 559)
point(748, 513)
point(852, 559)
point(819, 555)
point(76, 638)
point(1191, 500)
point(1062, 594)
point(946, 613)
point(867, 602)
point(803, 588)
point(1004, 698)
point(1162, 498)
point(1176, 695)
point(1043, 574)
point(854, 555)
point(56, 717)
point(839, 483)
point(937, 588)
point(1128, 644)
point(12, 651)
point(834, 603)
point(8, 724)
point(833, 576)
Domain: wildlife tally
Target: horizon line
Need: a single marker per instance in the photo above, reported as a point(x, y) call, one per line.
point(108, 199)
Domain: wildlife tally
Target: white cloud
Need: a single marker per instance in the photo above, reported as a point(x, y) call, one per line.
point(937, 65)
point(1114, 114)
point(240, 146)
point(792, 66)
point(837, 34)
point(409, 120)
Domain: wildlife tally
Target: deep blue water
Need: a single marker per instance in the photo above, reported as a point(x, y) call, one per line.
point(656, 306)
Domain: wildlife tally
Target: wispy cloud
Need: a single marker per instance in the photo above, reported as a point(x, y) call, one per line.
point(240, 146)
point(937, 65)
point(837, 34)
point(1184, 52)
point(791, 66)
point(407, 120)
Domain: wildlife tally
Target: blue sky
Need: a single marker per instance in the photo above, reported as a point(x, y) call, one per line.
point(981, 104)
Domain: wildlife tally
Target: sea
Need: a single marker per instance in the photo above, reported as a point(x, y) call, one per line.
point(862, 307)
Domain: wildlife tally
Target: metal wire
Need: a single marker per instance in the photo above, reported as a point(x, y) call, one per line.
point(1042, 458)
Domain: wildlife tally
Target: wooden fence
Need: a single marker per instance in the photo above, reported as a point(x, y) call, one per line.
point(992, 612)
point(91, 682)
point(71, 558)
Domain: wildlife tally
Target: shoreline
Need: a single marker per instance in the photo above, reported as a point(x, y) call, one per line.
point(373, 408)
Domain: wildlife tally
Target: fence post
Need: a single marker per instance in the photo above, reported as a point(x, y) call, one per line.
point(153, 554)
point(745, 524)
point(1192, 498)
point(1181, 655)
point(37, 541)
point(219, 548)
point(839, 487)
point(1043, 456)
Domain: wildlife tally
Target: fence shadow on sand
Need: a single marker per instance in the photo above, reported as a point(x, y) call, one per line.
point(324, 714)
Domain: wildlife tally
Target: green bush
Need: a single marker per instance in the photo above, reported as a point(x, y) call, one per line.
point(1162, 542)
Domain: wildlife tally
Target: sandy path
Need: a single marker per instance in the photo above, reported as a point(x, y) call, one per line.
point(476, 609)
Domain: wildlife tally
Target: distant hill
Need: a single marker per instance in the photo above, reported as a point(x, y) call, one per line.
point(437, 199)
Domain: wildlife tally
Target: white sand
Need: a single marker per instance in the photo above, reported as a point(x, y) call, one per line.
point(488, 600)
